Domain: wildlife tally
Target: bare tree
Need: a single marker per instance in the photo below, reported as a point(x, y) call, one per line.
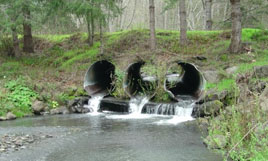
point(133, 14)
point(152, 25)
point(235, 45)
point(183, 23)
point(207, 5)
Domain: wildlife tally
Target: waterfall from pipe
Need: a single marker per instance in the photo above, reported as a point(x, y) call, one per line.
point(136, 105)
point(94, 103)
point(182, 112)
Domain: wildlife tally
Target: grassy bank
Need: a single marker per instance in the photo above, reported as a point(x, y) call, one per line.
point(54, 73)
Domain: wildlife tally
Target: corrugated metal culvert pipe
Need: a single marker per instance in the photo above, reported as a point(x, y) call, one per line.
point(99, 78)
point(136, 84)
point(186, 84)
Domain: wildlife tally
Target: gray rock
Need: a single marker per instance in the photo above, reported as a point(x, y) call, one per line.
point(38, 107)
point(216, 141)
point(60, 110)
point(212, 76)
point(231, 70)
point(207, 109)
point(10, 116)
point(261, 71)
point(264, 100)
point(3, 119)
point(257, 87)
point(78, 105)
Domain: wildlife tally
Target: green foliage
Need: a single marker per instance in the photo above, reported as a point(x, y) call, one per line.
point(225, 84)
point(234, 125)
point(118, 84)
point(79, 56)
point(63, 97)
point(260, 36)
point(9, 68)
point(20, 96)
point(249, 34)
point(53, 104)
point(260, 61)
point(6, 46)
point(55, 38)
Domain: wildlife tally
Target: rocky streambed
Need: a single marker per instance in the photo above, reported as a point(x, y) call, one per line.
point(15, 142)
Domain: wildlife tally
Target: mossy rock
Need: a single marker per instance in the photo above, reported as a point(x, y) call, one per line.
point(211, 108)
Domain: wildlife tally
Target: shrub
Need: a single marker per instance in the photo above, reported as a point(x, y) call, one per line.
point(6, 46)
point(19, 97)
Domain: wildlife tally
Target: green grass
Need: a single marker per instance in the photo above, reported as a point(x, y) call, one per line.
point(261, 60)
point(71, 58)
point(247, 34)
point(234, 125)
point(55, 38)
point(225, 84)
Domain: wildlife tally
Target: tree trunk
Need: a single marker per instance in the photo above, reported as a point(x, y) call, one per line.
point(152, 25)
point(16, 46)
point(235, 46)
point(89, 38)
point(208, 19)
point(101, 38)
point(183, 23)
point(27, 32)
point(92, 28)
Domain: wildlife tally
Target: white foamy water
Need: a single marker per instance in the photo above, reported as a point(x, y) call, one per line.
point(136, 104)
point(130, 116)
point(135, 109)
point(94, 104)
point(182, 114)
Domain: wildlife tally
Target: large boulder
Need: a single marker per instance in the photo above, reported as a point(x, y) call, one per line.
point(211, 108)
point(212, 76)
point(10, 116)
point(261, 71)
point(264, 100)
point(38, 107)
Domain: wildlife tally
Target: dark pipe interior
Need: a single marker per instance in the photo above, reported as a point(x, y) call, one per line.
point(99, 78)
point(134, 84)
point(189, 87)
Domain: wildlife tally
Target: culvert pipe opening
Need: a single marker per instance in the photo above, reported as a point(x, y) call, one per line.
point(184, 82)
point(138, 83)
point(99, 78)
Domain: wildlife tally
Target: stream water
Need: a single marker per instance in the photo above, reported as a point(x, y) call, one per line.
point(99, 138)
point(108, 137)
point(111, 136)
